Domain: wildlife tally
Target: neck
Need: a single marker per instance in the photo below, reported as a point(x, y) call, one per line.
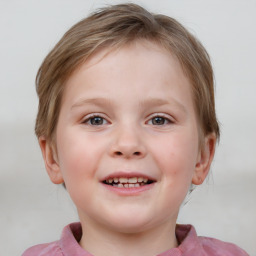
point(100, 241)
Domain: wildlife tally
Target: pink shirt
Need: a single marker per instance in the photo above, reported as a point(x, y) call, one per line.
point(190, 245)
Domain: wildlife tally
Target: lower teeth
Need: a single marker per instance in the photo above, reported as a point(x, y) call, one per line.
point(127, 185)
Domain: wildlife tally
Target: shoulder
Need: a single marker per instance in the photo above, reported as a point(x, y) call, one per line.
point(192, 244)
point(49, 249)
point(67, 245)
point(216, 247)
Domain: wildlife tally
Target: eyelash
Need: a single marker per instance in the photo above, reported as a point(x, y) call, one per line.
point(163, 117)
point(94, 116)
point(88, 120)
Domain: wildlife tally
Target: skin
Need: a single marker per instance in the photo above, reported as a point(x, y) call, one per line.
point(142, 103)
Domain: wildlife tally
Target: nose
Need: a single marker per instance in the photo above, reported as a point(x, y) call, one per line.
point(128, 143)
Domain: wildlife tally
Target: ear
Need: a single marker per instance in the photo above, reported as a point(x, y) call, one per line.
point(204, 160)
point(50, 161)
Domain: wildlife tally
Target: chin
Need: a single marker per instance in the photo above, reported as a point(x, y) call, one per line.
point(129, 222)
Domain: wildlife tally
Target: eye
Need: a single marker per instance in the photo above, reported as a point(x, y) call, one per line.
point(95, 120)
point(159, 120)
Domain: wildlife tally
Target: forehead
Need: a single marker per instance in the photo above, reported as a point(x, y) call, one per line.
point(136, 49)
point(140, 64)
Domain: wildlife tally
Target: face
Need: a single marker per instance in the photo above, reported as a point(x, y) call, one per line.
point(127, 139)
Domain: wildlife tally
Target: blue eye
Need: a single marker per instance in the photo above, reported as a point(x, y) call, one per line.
point(95, 120)
point(159, 120)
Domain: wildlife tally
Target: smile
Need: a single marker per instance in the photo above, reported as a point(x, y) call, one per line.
point(132, 182)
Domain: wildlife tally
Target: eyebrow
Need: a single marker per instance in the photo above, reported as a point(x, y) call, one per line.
point(94, 101)
point(161, 102)
point(103, 102)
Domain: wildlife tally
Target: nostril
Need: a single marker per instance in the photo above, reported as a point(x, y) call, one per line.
point(119, 153)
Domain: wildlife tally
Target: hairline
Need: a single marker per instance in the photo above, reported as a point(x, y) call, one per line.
point(109, 48)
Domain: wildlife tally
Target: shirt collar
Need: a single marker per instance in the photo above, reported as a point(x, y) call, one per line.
point(186, 236)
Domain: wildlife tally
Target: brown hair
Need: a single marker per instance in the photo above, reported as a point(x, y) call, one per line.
point(115, 26)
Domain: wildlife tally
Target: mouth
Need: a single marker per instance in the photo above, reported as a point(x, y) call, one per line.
point(128, 182)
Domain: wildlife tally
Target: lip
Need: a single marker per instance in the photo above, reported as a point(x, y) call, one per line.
point(128, 191)
point(127, 175)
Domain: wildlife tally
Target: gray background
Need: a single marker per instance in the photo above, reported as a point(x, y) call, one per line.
point(34, 211)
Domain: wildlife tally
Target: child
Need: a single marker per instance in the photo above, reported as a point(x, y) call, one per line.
point(127, 123)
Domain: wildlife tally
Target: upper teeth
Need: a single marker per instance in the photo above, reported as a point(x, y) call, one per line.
point(132, 180)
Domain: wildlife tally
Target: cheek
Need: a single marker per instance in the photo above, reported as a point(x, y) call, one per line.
point(76, 156)
point(78, 165)
point(177, 154)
